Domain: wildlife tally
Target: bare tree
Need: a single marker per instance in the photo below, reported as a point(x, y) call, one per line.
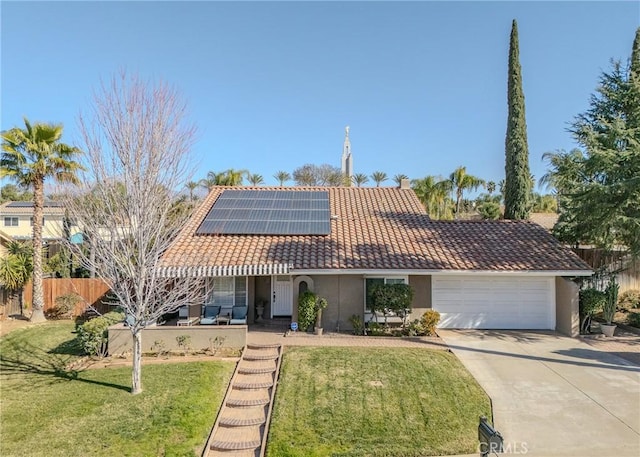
point(318, 175)
point(137, 140)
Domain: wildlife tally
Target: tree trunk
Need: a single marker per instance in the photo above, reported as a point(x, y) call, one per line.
point(136, 373)
point(38, 212)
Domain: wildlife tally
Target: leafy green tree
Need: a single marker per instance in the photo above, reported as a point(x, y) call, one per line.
point(359, 179)
point(29, 157)
point(517, 182)
point(12, 193)
point(434, 194)
point(461, 181)
point(599, 188)
point(255, 179)
point(379, 177)
point(544, 203)
point(282, 177)
point(488, 206)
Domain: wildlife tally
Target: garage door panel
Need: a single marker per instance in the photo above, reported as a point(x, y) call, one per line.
point(494, 303)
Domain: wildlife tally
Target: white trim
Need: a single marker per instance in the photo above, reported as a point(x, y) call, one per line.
point(567, 273)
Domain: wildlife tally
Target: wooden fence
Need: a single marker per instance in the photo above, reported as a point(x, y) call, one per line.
point(628, 270)
point(91, 290)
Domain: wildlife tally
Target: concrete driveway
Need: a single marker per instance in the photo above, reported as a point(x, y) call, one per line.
point(553, 395)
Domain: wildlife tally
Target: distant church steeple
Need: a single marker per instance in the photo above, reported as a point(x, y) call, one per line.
point(347, 159)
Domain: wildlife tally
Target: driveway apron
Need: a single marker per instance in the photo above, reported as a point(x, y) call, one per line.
point(553, 395)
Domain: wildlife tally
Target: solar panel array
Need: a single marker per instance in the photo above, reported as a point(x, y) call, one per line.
point(269, 212)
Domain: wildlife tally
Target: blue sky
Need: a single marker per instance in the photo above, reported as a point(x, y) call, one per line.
point(271, 85)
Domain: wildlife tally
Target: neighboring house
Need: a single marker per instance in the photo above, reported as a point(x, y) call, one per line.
point(16, 220)
point(266, 245)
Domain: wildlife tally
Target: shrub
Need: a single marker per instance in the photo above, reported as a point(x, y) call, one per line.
point(629, 299)
point(321, 303)
point(184, 342)
point(375, 329)
point(591, 301)
point(429, 320)
point(415, 328)
point(93, 334)
point(634, 319)
point(357, 324)
point(306, 310)
point(64, 307)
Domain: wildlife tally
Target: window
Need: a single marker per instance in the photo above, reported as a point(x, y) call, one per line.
point(228, 291)
point(370, 282)
point(10, 221)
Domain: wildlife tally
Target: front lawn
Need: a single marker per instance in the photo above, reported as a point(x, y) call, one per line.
point(374, 402)
point(47, 410)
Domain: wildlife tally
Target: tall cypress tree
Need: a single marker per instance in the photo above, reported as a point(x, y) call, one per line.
point(518, 178)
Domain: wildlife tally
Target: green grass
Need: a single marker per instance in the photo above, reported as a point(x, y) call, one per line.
point(47, 410)
point(328, 404)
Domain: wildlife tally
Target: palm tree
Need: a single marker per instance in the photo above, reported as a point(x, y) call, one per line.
point(235, 177)
point(210, 181)
point(491, 187)
point(398, 178)
point(282, 177)
point(29, 156)
point(461, 181)
point(16, 267)
point(379, 177)
point(434, 195)
point(359, 179)
point(255, 179)
point(192, 186)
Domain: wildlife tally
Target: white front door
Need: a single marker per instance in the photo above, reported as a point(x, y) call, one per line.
point(281, 296)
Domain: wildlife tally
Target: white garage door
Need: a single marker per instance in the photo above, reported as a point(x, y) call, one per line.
point(494, 302)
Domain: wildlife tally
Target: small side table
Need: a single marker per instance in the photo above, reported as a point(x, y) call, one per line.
point(188, 322)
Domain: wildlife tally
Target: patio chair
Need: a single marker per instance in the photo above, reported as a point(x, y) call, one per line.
point(210, 315)
point(238, 315)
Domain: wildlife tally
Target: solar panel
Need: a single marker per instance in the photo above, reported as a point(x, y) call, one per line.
point(268, 212)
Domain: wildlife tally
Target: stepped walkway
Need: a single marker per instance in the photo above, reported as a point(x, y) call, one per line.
point(243, 422)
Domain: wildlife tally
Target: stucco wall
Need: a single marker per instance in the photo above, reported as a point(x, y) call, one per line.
point(345, 296)
point(421, 295)
point(202, 337)
point(567, 318)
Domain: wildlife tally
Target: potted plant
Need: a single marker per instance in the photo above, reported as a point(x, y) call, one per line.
point(609, 308)
point(259, 310)
point(321, 303)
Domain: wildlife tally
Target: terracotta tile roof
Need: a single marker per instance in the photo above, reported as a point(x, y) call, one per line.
point(380, 228)
point(50, 209)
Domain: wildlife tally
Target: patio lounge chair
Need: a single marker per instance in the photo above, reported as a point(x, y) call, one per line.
point(210, 315)
point(238, 315)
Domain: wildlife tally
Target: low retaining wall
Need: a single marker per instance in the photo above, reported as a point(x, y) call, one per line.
point(202, 337)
